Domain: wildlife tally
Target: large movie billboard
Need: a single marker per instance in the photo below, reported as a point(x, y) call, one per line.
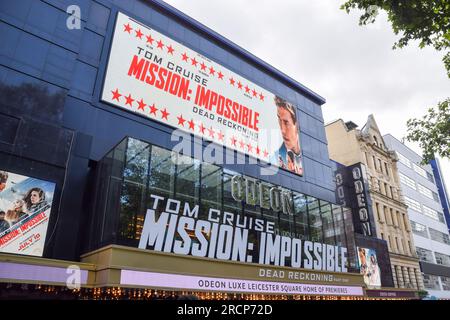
point(151, 74)
point(25, 205)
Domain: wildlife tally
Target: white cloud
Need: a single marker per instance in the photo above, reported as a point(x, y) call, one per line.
point(354, 68)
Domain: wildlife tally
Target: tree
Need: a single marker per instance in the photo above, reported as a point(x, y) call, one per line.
point(427, 21)
point(432, 132)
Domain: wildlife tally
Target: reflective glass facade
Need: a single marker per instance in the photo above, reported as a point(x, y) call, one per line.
point(134, 170)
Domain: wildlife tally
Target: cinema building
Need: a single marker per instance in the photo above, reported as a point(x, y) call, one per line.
point(145, 156)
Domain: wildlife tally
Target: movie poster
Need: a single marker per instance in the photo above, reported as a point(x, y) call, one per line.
point(159, 78)
point(25, 205)
point(368, 267)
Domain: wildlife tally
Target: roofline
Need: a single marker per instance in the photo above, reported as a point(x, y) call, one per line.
point(388, 134)
point(237, 49)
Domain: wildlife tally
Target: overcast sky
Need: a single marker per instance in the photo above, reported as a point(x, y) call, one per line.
point(353, 67)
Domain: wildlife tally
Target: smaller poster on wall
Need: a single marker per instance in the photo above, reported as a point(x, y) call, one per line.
point(25, 205)
point(368, 267)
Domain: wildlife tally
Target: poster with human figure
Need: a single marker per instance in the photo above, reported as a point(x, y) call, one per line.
point(155, 76)
point(368, 267)
point(25, 205)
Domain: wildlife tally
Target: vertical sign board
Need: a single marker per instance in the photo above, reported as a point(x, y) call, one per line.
point(352, 191)
point(158, 78)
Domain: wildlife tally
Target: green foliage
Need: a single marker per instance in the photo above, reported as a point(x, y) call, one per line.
point(422, 293)
point(432, 132)
point(427, 21)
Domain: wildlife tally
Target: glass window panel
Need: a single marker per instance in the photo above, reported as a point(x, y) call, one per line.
point(445, 283)
point(430, 282)
point(187, 179)
point(413, 204)
point(407, 181)
point(439, 236)
point(442, 259)
point(419, 229)
point(327, 221)
point(315, 220)
point(301, 216)
point(162, 171)
point(339, 226)
point(404, 160)
point(136, 163)
point(425, 255)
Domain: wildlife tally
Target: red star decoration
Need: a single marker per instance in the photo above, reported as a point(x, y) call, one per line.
point(141, 105)
point(129, 100)
point(232, 81)
point(165, 114)
point(241, 144)
point(266, 153)
point(153, 109)
point(191, 124)
point(181, 120)
point(160, 44)
point(261, 97)
point(233, 141)
point(194, 62)
point(247, 89)
point(185, 57)
point(139, 34)
point(203, 66)
point(220, 75)
point(211, 70)
point(128, 28)
point(249, 147)
point(149, 39)
point(116, 95)
point(202, 128)
point(170, 50)
point(255, 94)
point(239, 85)
point(221, 135)
point(258, 150)
point(211, 132)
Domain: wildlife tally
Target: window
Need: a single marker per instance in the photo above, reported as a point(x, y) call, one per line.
point(374, 163)
point(445, 283)
point(442, 259)
point(413, 204)
point(430, 282)
point(379, 165)
point(419, 229)
point(386, 168)
point(439, 236)
point(389, 243)
point(376, 140)
point(405, 221)
point(404, 160)
point(393, 218)
point(430, 177)
point(435, 196)
point(425, 191)
point(425, 255)
point(433, 214)
point(420, 171)
point(407, 181)
point(399, 249)
point(386, 189)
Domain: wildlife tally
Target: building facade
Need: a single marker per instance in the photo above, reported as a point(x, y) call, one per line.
point(134, 147)
point(442, 190)
point(348, 146)
point(425, 212)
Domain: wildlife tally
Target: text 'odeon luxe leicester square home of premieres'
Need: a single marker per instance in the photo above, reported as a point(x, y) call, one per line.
point(157, 158)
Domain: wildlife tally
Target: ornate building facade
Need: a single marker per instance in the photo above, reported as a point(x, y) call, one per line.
point(349, 145)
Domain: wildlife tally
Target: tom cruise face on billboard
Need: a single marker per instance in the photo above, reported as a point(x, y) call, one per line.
point(289, 154)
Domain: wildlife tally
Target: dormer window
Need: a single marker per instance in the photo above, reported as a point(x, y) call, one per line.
point(376, 140)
